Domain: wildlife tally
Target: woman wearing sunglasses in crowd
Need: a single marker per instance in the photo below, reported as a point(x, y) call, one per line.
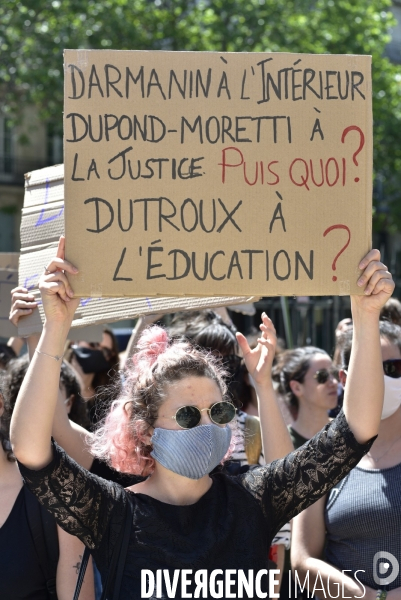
point(362, 514)
point(307, 383)
point(172, 423)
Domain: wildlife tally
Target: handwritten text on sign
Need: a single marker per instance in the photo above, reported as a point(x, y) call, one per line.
point(210, 174)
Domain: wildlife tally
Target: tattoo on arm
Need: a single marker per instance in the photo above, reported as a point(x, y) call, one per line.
point(78, 565)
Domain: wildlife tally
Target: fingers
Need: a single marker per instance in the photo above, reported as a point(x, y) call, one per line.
point(267, 328)
point(373, 255)
point(266, 343)
point(267, 324)
point(377, 277)
point(59, 264)
point(24, 296)
point(17, 313)
point(61, 247)
point(385, 284)
point(371, 268)
point(22, 303)
point(19, 289)
point(57, 283)
point(243, 343)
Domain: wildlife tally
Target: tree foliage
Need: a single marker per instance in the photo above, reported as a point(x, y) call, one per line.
point(34, 32)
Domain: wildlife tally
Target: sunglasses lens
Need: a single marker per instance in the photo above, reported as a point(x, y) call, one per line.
point(188, 417)
point(392, 368)
point(322, 376)
point(222, 413)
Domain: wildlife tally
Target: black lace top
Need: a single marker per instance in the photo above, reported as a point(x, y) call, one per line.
point(230, 527)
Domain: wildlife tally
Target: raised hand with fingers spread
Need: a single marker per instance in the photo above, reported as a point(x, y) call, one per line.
point(259, 361)
point(275, 438)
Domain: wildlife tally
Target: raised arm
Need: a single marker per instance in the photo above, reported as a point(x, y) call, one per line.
point(290, 485)
point(32, 421)
point(275, 437)
point(68, 434)
point(308, 539)
point(363, 399)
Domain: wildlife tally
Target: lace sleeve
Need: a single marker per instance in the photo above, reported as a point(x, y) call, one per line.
point(81, 503)
point(287, 486)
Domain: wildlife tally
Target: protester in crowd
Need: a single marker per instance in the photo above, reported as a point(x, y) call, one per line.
point(38, 559)
point(362, 513)
point(305, 380)
point(70, 399)
point(71, 419)
point(208, 330)
point(391, 311)
point(70, 433)
point(182, 517)
point(96, 364)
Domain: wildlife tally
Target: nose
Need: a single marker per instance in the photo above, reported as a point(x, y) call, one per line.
point(333, 380)
point(205, 420)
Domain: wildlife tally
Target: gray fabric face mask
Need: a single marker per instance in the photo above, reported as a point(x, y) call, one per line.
point(191, 452)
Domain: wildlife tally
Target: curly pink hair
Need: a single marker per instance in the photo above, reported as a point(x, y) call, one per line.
point(121, 438)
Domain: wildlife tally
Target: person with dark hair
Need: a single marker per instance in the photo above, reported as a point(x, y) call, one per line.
point(307, 382)
point(96, 364)
point(171, 422)
point(361, 517)
point(69, 390)
point(391, 311)
point(38, 559)
point(208, 330)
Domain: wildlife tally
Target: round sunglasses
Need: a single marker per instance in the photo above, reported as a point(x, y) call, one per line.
point(220, 413)
point(323, 375)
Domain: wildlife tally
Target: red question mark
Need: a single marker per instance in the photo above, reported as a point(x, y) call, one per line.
point(333, 266)
point(361, 143)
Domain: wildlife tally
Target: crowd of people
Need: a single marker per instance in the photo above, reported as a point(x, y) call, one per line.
point(174, 466)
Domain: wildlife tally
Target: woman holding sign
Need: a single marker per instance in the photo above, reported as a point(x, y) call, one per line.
point(185, 535)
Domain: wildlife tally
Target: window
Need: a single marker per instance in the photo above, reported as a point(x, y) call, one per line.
point(54, 146)
point(6, 146)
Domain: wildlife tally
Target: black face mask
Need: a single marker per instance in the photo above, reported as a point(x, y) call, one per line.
point(90, 360)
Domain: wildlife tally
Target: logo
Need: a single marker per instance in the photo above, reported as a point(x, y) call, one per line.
point(382, 561)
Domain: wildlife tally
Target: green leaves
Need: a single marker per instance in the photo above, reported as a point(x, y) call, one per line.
point(35, 32)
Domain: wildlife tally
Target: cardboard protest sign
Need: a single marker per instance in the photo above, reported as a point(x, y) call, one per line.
point(217, 173)
point(41, 226)
point(8, 281)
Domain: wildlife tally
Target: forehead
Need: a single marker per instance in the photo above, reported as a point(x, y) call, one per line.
point(197, 391)
point(319, 361)
point(389, 350)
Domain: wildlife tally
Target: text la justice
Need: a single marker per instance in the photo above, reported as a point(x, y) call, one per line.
point(158, 168)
